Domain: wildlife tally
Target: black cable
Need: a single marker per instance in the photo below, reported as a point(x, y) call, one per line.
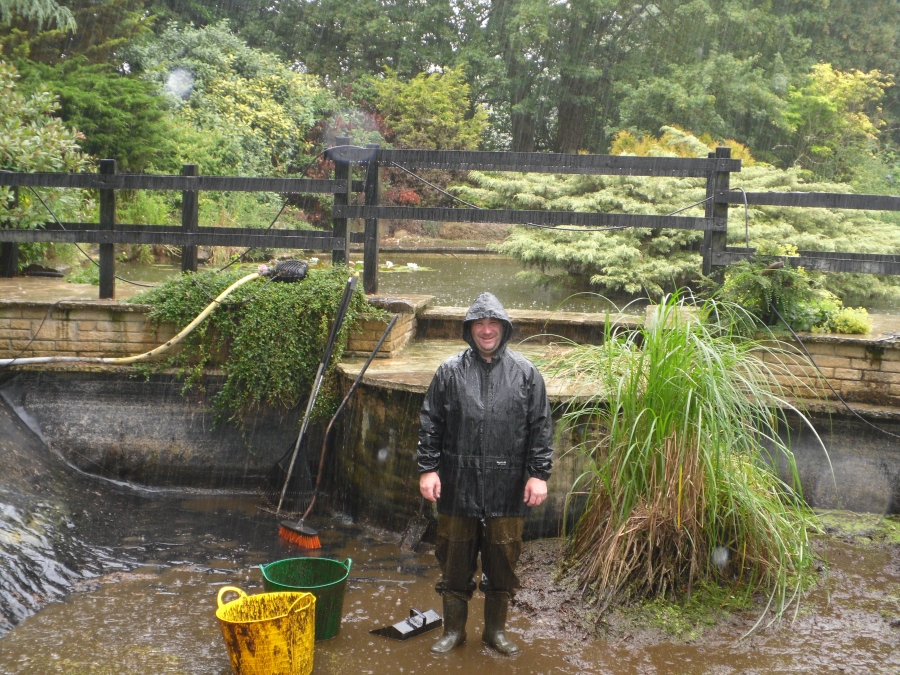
point(33, 337)
point(83, 252)
point(439, 189)
point(241, 256)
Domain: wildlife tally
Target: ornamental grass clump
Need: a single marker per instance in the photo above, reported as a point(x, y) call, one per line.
point(681, 437)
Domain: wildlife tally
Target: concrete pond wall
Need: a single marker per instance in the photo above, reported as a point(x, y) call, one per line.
point(113, 422)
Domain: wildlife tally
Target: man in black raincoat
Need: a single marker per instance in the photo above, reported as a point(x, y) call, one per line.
point(484, 456)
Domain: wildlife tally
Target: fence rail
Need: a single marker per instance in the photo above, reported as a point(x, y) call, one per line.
point(136, 181)
point(827, 200)
point(538, 162)
point(550, 218)
point(174, 235)
point(865, 263)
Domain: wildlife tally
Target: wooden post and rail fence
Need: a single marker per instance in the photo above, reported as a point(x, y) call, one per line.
point(716, 169)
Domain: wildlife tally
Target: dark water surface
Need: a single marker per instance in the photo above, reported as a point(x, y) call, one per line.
point(454, 280)
point(98, 578)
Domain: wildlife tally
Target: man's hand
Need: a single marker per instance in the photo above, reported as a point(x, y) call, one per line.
point(430, 486)
point(535, 491)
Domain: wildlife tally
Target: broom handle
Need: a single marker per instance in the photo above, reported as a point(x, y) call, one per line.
point(338, 412)
point(309, 406)
point(349, 288)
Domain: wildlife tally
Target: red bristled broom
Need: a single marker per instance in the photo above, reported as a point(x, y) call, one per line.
point(298, 532)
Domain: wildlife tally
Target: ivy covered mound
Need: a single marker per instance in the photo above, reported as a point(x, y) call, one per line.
point(268, 337)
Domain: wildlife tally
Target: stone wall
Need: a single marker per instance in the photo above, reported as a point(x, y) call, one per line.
point(364, 340)
point(406, 307)
point(77, 328)
point(860, 370)
point(107, 328)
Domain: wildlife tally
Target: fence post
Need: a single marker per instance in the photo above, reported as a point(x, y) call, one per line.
point(370, 245)
point(716, 181)
point(9, 253)
point(190, 215)
point(107, 222)
point(339, 256)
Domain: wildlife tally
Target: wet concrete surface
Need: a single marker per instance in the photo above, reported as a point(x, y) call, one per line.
point(413, 368)
point(113, 579)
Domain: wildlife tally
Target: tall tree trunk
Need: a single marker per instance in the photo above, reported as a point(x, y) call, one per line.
point(518, 79)
point(572, 115)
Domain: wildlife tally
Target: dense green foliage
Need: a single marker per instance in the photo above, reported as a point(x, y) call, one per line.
point(641, 261)
point(569, 75)
point(253, 109)
point(121, 117)
point(681, 432)
point(806, 87)
point(766, 289)
point(430, 111)
point(96, 30)
point(32, 139)
point(41, 12)
point(272, 336)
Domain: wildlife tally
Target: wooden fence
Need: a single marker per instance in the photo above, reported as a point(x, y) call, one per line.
point(716, 169)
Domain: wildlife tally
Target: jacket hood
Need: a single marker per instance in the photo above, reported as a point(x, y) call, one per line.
point(486, 306)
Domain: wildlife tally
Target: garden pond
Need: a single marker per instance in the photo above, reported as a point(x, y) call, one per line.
point(453, 279)
point(99, 577)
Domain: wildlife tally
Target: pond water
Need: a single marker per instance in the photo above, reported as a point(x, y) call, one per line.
point(453, 280)
point(103, 578)
point(456, 280)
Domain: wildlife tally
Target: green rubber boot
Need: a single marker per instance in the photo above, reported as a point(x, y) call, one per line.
point(456, 610)
point(496, 606)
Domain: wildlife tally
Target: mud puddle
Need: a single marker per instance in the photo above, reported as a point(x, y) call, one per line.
point(97, 578)
point(159, 617)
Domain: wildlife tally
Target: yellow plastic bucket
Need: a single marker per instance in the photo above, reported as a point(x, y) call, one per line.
point(270, 633)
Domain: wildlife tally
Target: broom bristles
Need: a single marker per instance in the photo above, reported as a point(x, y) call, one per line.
point(295, 537)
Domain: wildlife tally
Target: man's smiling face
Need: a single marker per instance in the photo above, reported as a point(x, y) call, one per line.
point(487, 334)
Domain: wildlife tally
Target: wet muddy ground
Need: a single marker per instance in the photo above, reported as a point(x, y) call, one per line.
point(158, 616)
point(98, 578)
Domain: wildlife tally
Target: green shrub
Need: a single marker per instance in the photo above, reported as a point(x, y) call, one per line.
point(847, 320)
point(796, 294)
point(430, 111)
point(87, 274)
point(272, 334)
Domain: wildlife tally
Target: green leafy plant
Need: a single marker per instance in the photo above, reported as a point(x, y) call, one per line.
point(680, 485)
point(847, 320)
point(32, 139)
point(430, 111)
point(87, 274)
point(764, 287)
point(269, 337)
point(122, 117)
point(254, 110)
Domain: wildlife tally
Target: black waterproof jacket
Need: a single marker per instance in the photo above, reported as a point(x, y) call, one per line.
point(485, 427)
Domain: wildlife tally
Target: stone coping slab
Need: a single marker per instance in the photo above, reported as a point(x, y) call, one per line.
point(415, 366)
point(538, 316)
point(111, 305)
